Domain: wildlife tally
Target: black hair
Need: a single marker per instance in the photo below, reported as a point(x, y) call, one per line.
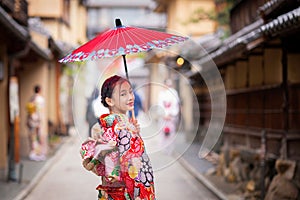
point(108, 88)
point(95, 93)
point(37, 89)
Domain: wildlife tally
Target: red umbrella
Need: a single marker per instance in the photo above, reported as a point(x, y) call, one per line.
point(122, 40)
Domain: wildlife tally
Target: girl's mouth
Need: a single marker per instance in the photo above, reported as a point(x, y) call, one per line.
point(130, 104)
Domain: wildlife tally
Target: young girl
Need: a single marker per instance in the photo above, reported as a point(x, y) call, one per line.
point(116, 150)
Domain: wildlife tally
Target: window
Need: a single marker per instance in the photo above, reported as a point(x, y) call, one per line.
point(66, 11)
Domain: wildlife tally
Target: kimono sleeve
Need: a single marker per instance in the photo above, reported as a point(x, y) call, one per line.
point(93, 150)
point(88, 146)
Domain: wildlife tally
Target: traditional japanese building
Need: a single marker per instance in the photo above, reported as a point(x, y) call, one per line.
point(32, 35)
point(259, 64)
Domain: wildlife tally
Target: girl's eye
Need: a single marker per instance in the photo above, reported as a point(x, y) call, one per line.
point(123, 94)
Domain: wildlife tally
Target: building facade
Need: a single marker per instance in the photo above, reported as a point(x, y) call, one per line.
point(35, 35)
point(182, 19)
point(259, 67)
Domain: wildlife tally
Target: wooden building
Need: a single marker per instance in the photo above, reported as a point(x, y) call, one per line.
point(259, 64)
point(33, 37)
point(16, 45)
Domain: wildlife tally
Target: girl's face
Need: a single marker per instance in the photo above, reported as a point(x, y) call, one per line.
point(122, 98)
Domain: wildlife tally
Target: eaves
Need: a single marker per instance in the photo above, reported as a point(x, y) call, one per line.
point(22, 34)
point(9, 23)
point(242, 44)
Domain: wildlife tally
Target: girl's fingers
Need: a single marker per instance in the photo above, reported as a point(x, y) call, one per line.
point(136, 124)
point(134, 121)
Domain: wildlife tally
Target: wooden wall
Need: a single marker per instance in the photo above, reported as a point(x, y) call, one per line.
point(244, 13)
point(258, 100)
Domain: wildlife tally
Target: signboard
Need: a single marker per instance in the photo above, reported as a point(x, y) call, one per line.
point(14, 108)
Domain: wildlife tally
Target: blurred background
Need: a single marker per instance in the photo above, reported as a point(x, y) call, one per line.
point(239, 71)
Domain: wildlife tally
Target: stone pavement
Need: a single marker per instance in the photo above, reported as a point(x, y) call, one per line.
point(28, 173)
point(201, 170)
point(33, 172)
point(67, 179)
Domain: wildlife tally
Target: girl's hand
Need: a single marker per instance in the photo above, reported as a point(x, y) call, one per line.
point(136, 124)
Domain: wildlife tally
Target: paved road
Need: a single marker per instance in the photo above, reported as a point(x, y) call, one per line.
point(66, 179)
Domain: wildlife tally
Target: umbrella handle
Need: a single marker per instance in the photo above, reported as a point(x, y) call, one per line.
point(132, 115)
point(125, 66)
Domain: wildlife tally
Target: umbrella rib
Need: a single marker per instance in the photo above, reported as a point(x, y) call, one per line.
point(106, 40)
point(124, 41)
point(130, 36)
point(126, 33)
point(140, 37)
point(150, 35)
point(117, 43)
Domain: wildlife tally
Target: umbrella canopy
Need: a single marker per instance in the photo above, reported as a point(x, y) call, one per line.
point(122, 40)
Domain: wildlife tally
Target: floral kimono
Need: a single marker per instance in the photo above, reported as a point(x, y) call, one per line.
point(119, 155)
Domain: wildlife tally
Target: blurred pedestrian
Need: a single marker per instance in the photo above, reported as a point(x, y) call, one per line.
point(138, 105)
point(168, 100)
point(116, 151)
point(35, 113)
point(90, 116)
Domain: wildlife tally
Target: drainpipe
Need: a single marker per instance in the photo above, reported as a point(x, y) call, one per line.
point(11, 72)
point(263, 142)
point(263, 164)
point(285, 109)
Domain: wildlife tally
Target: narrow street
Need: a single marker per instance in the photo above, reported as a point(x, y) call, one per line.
point(67, 179)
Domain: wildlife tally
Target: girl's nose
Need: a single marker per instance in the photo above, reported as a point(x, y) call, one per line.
point(131, 96)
